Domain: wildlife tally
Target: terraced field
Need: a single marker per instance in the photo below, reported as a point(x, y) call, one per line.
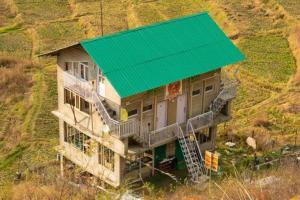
point(30, 27)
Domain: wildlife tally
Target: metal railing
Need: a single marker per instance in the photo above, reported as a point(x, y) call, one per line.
point(120, 129)
point(227, 93)
point(162, 134)
point(78, 85)
point(201, 121)
point(85, 89)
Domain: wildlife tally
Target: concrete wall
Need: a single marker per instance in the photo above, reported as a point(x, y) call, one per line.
point(90, 124)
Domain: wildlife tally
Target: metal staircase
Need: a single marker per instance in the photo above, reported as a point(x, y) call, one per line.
point(120, 129)
point(188, 141)
point(227, 93)
point(193, 156)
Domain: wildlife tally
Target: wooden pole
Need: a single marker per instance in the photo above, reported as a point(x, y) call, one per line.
point(101, 16)
point(61, 165)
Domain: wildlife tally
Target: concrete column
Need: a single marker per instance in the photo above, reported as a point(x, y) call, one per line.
point(61, 157)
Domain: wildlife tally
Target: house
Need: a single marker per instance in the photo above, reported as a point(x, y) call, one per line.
point(146, 99)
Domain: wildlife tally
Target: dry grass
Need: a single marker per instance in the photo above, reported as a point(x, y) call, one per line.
point(285, 185)
point(14, 80)
point(294, 41)
point(54, 190)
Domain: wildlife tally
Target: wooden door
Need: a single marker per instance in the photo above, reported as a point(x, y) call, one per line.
point(161, 115)
point(181, 109)
point(197, 98)
point(172, 108)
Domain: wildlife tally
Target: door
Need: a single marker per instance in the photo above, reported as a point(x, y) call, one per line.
point(101, 85)
point(181, 109)
point(209, 92)
point(161, 115)
point(197, 98)
point(84, 70)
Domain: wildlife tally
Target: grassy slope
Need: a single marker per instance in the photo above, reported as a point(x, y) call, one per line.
point(265, 75)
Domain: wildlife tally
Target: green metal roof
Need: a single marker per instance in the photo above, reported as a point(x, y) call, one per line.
point(151, 56)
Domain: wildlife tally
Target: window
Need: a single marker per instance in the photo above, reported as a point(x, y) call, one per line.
point(76, 101)
point(84, 69)
point(68, 66)
point(205, 135)
point(132, 113)
point(100, 76)
point(106, 157)
point(147, 108)
point(196, 92)
point(78, 69)
point(76, 138)
point(170, 150)
point(84, 106)
point(209, 88)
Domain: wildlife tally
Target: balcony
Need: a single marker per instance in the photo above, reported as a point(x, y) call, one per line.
point(163, 135)
point(87, 91)
point(80, 86)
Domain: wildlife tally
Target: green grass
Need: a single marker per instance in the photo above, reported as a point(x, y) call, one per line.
point(59, 34)
point(40, 127)
point(88, 7)
point(16, 43)
point(268, 58)
point(10, 28)
point(40, 11)
point(249, 95)
point(292, 6)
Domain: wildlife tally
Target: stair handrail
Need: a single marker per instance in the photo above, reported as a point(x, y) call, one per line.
point(197, 146)
point(233, 84)
point(188, 150)
point(113, 124)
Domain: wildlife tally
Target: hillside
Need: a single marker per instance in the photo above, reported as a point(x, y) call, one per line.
point(268, 102)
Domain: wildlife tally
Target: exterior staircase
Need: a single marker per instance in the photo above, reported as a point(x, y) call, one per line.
point(120, 129)
point(112, 113)
point(188, 141)
point(193, 156)
point(227, 93)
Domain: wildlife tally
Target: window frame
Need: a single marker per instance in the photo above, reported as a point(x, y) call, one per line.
point(106, 157)
point(210, 90)
point(148, 109)
point(134, 115)
point(81, 67)
point(73, 135)
point(198, 94)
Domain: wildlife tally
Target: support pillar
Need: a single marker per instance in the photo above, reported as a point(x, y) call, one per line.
point(61, 157)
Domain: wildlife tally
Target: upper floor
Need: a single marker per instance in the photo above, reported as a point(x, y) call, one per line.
point(86, 95)
point(141, 85)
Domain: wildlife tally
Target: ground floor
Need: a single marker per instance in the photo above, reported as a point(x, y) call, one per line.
point(115, 169)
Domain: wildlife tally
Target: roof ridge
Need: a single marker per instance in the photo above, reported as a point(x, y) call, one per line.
point(144, 27)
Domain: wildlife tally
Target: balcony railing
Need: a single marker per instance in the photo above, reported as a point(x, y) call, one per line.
point(78, 85)
point(163, 134)
point(201, 121)
point(120, 129)
point(85, 89)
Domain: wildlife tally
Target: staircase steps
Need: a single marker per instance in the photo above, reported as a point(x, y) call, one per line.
point(192, 154)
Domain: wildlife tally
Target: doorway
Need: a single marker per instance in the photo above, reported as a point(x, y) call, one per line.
point(161, 115)
point(181, 109)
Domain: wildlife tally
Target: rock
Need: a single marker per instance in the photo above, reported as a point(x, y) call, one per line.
point(267, 181)
point(251, 142)
point(230, 144)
